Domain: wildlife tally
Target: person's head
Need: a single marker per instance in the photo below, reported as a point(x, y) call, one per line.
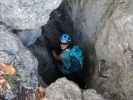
point(65, 41)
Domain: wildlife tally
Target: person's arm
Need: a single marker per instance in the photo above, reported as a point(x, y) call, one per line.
point(75, 64)
point(57, 57)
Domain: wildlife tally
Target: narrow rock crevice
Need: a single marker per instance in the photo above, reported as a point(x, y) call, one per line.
point(29, 31)
point(60, 21)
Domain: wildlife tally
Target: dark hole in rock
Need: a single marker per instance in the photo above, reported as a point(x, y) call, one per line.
point(59, 22)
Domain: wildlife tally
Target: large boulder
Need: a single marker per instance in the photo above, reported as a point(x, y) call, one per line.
point(26, 14)
point(114, 49)
point(64, 89)
point(13, 52)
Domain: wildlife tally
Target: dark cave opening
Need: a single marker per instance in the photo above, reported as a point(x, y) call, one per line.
point(59, 22)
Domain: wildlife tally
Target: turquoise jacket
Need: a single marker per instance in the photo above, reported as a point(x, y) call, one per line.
point(72, 59)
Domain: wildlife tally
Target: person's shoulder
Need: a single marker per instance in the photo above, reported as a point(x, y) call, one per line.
point(76, 47)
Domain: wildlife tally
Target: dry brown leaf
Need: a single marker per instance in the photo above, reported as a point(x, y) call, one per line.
point(8, 69)
point(40, 93)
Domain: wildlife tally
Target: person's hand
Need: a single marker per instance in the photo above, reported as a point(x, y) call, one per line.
point(55, 55)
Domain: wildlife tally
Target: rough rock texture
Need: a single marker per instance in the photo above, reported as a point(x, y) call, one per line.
point(114, 50)
point(89, 16)
point(64, 89)
point(91, 94)
point(110, 23)
point(26, 14)
point(13, 52)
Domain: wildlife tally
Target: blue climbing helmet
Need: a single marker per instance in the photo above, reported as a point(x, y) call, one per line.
point(65, 38)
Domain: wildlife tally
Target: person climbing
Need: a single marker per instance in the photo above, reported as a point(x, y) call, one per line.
point(70, 60)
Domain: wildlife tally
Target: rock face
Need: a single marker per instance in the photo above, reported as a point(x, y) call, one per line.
point(64, 89)
point(88, 16)
point(91, 94)
point(13, 52)
point(114, 49)
point(26, 14)
point(110, 23)
point(24, 18)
